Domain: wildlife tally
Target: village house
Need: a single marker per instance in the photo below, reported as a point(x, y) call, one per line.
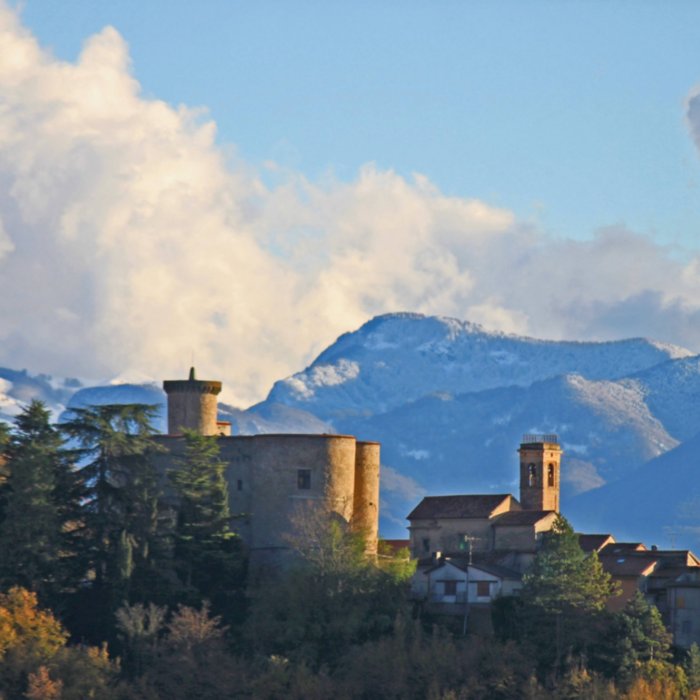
point(471, 549)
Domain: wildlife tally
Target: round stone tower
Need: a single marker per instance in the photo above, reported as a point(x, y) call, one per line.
point(365, 517)
point(192, 405)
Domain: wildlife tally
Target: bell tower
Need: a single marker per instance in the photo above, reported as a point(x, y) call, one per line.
point(540, 467)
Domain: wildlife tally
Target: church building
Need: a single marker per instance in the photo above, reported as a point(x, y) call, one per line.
point(472, 548)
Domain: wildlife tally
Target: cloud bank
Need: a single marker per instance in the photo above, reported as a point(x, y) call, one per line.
point(130, 241)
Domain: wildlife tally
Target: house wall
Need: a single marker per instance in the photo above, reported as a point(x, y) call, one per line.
point(521, 537)
point(436, 584)
point(684, 613)
point(431, 585)
point(447, 535)
point(629, 585)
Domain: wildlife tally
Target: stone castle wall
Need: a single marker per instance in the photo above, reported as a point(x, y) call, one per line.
point(273, 479)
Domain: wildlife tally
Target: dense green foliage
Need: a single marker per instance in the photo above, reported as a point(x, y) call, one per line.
point(41, 500)
point(96, 545)
point(208, 557)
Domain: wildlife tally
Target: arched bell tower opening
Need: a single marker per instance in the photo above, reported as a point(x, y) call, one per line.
point(540, 472)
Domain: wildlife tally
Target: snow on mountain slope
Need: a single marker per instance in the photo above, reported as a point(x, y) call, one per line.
point(467, 443)
point(659, 502)
point(397, 358)
point(672, 392)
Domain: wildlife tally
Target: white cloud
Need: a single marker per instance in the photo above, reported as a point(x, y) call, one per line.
point(128, 243)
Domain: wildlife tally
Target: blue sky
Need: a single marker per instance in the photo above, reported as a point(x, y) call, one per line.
point(571, 114)
point(245, 181)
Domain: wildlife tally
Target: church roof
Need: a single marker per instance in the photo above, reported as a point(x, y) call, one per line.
point(515, 518)
point(469, 506)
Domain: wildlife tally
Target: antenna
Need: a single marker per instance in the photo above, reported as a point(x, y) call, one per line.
point(671, 533)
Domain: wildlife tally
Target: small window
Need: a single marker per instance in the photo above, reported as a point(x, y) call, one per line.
point(304, 478)
point(426, 544)
point(450, 587)
point(239, 484)
point(550, 475)
point(483, 589)
point(531, 474)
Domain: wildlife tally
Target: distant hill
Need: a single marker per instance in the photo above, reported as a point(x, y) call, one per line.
point(449, 401)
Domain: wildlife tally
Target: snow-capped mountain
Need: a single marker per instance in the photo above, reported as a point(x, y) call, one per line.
point(449, 401)
point(397, 358)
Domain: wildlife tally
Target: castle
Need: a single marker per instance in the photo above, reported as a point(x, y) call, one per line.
point(272, 478)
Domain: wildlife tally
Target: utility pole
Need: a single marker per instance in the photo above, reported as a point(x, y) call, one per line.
point(469, 540)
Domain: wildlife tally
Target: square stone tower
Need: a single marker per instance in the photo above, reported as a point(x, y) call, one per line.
point(540, 467)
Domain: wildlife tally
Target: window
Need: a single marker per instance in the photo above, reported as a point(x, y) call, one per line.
point(450, 587)
point(426, 544)
point(680, 602)
point(483, 589)
point(531, 474)
point(550, 475)
point(239, 484)
point(304, 478)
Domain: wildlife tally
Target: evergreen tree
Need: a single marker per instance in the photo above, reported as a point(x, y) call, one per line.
point(208, 554)
point(692, 666)
point(642, 637)
point(41, 495)
point(120, 513)
point(563, 598)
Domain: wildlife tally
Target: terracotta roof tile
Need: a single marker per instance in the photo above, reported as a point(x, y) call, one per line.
point(470, 506)
point(520, 517)
point(628, 564)
point(590, 543)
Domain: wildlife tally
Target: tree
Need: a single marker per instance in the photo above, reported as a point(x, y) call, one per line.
point(692, 666)
point(34, 657)
point(564, 595)
point(208, 554)
point(331, 597)
point(41, 497)
point(642, 637)
point(120, 513)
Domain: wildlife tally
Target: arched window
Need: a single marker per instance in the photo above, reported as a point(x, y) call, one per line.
point(531, 474)
point(550, 475)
